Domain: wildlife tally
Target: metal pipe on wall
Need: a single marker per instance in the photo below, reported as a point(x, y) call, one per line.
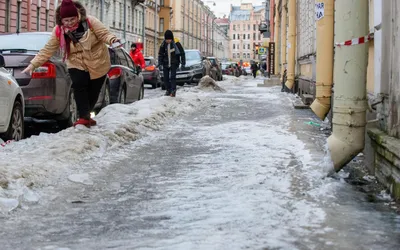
point(292, 44)
point(350, 72)
point(277, 39)
point(324, 67)
point(283, 37)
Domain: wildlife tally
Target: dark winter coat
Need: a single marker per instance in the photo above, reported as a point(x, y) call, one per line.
point(177, 54)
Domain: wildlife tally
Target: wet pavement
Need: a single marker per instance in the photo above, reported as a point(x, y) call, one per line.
point(245, 173)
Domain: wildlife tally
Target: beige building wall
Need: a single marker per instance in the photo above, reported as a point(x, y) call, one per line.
point(150, 28)
point(245, 34)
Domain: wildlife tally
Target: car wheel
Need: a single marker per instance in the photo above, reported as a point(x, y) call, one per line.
point(106, 100)
point(15, 129)
point(141, 93)
point(122, 96)
point(73, 112)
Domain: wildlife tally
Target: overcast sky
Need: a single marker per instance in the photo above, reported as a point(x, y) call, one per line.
point(223, 6)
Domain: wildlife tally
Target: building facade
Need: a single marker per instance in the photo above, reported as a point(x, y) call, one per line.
point(26, 15)
point(126, 22)
point(244, 31)
point(151, 27)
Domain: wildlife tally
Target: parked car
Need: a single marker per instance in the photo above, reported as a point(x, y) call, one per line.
point(151, 73)
point(217, 67)
point(126, 80)
point(226, 68)
point(193, 71)
point(48, 91)
point(247, 70)
point(11, 106)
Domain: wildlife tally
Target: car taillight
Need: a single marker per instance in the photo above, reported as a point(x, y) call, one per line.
point(114, 73)
point(47, 70)
point(150, 68)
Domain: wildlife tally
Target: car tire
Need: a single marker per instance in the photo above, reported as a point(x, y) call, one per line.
point(122, 96)
point(15, 129)
point(72, 112)
point(107, 97)
point(141, 93)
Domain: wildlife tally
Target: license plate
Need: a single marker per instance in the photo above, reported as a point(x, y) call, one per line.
point(10, 70)
point(181, 76)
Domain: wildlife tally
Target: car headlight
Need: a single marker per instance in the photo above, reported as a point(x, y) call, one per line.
point(196, 66)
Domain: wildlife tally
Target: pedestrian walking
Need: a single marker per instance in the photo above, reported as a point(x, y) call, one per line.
point(81, 39)
point(254, 69)
point(137, 56)
point(170, 55)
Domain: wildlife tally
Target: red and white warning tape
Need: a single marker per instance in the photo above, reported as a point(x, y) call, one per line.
point(356, 41)
point(5, 143)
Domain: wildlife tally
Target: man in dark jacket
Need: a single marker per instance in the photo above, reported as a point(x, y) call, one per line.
point(254, 68)
point(170, 55)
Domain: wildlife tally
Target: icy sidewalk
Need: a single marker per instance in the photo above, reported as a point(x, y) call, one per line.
point(41, 160)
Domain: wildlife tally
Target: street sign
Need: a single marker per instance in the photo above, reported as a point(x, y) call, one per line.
point(271, 56)
point(319, 11)
point(261, 51)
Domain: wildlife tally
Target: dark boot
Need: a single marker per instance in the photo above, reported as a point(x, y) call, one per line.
point(173, 93)
point(167, 93)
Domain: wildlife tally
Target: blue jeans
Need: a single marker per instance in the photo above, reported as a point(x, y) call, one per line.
point(170, 77)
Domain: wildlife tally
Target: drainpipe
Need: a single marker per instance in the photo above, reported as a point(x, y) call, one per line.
point(283, 37)
point(125, 20)
point(350, 71)
point(271, 19)
point(292, 44)
point(324, 67)
point(276, 36)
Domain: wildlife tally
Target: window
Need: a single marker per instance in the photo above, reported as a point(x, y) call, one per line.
point(234, 27)
point(248, 55)
point(122, 58)
point(47, 19)
point(244, 46)
point(234, 47)
point(161, 24)
point(248, 36)
point(114, 12)
point(248, 27)
point(248, 46)
point(8, 15)
point(38, 18)
point(244, 26)
point(136, 23)
point(129, 60)
point(234, 36)
point(254, 27)
point(259, 36)
point(254, 36)
point(162, 3)
point(234, 55)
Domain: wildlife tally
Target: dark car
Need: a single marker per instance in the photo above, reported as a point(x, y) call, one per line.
point(217, 67)
point(126, 80)
point(151, 73)
point(193, 71)
point(47, 92)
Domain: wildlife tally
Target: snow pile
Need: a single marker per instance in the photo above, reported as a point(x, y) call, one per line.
point(207, 82)
point(41, 160)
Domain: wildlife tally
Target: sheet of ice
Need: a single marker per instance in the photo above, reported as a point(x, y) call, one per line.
point(42, 160)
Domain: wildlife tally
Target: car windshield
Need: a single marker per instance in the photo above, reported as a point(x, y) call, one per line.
point(36, 41)
point(192, 56)
point(148, 62)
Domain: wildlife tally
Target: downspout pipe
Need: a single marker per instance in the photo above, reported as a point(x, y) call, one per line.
point(324, 67)
point(350, 71)
point(292, 44)
point(283, 37)
point(276, 38)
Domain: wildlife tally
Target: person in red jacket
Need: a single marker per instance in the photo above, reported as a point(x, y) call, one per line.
point(137, 56)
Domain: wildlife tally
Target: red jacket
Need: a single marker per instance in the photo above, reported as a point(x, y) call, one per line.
point(138, 58)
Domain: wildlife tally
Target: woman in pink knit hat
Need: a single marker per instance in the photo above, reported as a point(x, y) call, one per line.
point(81, 39)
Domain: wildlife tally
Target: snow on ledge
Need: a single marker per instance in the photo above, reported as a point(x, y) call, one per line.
point(37, 160)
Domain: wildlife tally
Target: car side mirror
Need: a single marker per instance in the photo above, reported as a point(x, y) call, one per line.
point(2, 62)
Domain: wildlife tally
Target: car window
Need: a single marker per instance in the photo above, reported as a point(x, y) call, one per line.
point(148, 62)
point(113, 57)
point(36, 41)
point(121, 57)
point(192, 56)
point(129, 60)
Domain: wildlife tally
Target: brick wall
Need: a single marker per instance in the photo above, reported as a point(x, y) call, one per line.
point(44, 9)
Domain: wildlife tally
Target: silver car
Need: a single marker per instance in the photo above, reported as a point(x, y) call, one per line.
point(11, 106)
